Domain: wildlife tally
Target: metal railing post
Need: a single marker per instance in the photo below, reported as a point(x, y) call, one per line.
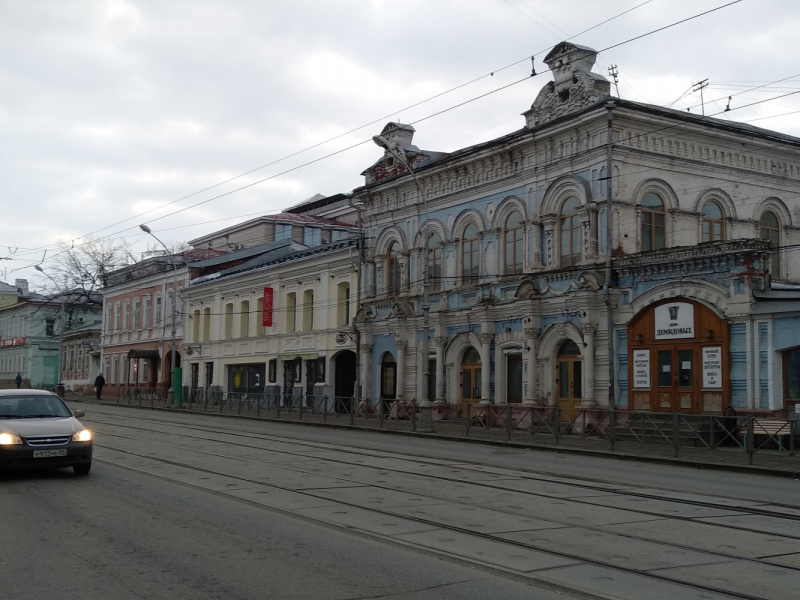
point(557, 428)
point(508, 422)
point(750, 445)
point(675, 432)
point(325, 408)
point(612, 427)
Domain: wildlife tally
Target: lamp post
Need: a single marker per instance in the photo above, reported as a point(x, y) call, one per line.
point(426, 415)
point(358, 206)
point(62, 325)
point(173, 373)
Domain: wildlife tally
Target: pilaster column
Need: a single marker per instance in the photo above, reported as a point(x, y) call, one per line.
point(550, 240)
point(366, 367)
point(486, 364)
point(535, 238)
point(401, 368)
point(405, 270)
point(532, 335)
point(588, 363)
point(440, 344)
point(591, 209)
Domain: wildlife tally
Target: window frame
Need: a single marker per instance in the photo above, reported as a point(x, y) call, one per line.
point(393, 272)
point(651, 214)
point(572, 258)
point(775, 255)
point(517, 243)
point(710, 235)
point(470, 246)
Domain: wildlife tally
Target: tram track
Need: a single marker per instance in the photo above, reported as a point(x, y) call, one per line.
point(325, 446)
point(449, 527)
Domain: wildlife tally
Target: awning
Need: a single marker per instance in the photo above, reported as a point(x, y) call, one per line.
point(152, 354)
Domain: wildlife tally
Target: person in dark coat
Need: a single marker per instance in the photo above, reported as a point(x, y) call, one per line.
point(99, 382)
point(18, 380)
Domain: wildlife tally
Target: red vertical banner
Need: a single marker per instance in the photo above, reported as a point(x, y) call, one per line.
point(266, 314)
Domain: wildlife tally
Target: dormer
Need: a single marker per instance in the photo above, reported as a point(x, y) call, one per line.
point(399, 136)
point(574, 86)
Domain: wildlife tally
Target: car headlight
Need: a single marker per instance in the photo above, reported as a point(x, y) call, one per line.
point(82, 436)
point(9, 439)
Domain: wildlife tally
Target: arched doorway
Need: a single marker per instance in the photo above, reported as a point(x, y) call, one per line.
point(678, 359)
point(344, 380)
point(388, 380)
point(569, 378)
point(470, 379)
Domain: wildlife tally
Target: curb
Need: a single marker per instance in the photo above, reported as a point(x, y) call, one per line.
point(497, 443)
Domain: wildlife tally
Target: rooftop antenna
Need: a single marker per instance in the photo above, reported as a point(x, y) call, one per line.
point(533, 67)
point(700, 86)
point(612, 70)
point(727, 108)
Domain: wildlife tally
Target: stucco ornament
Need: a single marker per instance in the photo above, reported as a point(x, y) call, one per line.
point(574, 85)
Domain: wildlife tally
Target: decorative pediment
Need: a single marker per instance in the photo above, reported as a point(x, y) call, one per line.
point(574, 85)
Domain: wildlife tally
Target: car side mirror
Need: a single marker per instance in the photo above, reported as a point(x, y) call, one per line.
point(79, 414)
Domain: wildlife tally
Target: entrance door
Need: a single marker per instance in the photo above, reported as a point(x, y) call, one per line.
point(470, 379)
point(569, 379)
point(344, 380)
point(676, 379)
point(514, 378)
point(311, 379)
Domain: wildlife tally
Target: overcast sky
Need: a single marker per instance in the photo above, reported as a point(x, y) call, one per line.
point(112, 108)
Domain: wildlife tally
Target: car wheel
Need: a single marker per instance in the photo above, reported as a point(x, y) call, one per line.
point(82, 469)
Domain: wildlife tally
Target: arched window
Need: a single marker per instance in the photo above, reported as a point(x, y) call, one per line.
point(570, 233)
point(393, 269)
point(653, 223)
point(713, 224)
point(513, 232)
point(435, 265)
point(388, 377)
point(771, 230)
point(470, 255)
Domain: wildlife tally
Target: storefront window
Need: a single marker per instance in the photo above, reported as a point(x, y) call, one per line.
point(792, 373)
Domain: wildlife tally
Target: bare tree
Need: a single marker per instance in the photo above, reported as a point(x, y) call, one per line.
point(76, 274)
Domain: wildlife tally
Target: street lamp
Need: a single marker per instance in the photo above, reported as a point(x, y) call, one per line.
point(174, 383)
point(426, 416)
point(63, 319)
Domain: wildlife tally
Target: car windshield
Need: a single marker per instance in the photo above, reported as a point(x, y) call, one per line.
point(26, 407)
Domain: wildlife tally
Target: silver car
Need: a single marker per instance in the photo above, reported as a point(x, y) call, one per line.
point(38, 430)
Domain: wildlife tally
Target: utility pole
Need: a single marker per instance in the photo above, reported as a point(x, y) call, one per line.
point(612, 70)
point(700, 86)
point(612, 399)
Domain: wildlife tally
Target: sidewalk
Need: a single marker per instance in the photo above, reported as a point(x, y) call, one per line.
point(768, 462)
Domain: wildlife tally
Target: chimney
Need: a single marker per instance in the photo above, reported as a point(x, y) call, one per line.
point(22, 286)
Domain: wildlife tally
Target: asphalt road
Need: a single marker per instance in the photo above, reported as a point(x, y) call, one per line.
point(121, 535)
point(192, 506)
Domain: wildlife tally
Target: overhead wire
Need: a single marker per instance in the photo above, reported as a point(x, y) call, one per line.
point(663, 28)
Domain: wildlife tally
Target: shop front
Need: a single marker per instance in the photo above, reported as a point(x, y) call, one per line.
point(678, 358)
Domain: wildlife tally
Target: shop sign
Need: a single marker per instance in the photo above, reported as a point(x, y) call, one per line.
point(674, 321)
point(6, 343)
point(712, 367)
point(19, 341)
point(266, 317)
point(641, 368)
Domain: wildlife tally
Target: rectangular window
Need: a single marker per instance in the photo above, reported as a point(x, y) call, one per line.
point(126, 315)
point(792, 373)
point(50, 327)
point(136, 314)
point(244, 322)
point(114, 364)
point(308, 310)
point(116, 316)
point(146, 316)
point(291, 312)
point(206, 324)
point(228, 321)
point(108, 317)
point(157, 318)
point(273, 370)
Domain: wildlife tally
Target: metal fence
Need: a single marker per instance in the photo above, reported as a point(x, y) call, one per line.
point(511, 422)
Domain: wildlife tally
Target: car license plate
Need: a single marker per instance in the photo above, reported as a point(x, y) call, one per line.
point(49, 453)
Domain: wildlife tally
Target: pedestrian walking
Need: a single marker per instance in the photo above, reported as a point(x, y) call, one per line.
point(18, 380)
point(99, 382)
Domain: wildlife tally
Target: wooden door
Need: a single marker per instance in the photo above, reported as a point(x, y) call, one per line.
point(676, 379)
point(470, 385)
point(569, 384)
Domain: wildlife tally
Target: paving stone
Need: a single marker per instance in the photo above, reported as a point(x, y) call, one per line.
point(627, 586)
point(364, 520)
point(376, 498)
point(614, 549)
point(488, 551)
point(662, 507)
point(571, 513)
point(762, 523)
point(762, 581)
point(474, 518)
point(281, 499)
point(703, 536)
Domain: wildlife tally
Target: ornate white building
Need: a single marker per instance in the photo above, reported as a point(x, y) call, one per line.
point(705, 292)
